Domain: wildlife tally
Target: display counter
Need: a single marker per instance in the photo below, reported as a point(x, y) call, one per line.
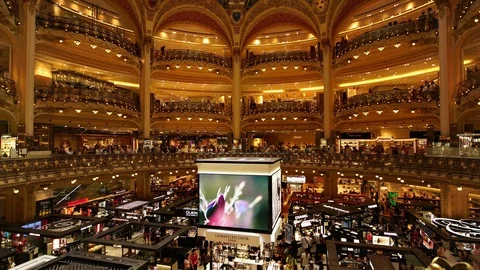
point(167, 264)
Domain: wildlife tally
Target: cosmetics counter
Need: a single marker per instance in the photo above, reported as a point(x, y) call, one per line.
point(53, 235)
point(455, 235)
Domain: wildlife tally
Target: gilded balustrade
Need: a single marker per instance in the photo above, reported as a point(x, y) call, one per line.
point(405, 28)
point(192, 107)
point(284, 107)
point(12, 7)
point(469, 87)
point(188, 55)
point(80, 93)
point(8, 91)
point(64, 165)
point(88, 28)
point(280, 57)
point(462, 8)
point(423, 94)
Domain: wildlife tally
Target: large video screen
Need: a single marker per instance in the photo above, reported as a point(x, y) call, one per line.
point(234, 201)
point(276, 195)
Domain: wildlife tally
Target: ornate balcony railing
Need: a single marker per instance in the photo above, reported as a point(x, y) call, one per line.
point(71, 165)
point(462, 9)
point(470, 85)
point(254, 60)
point(187, 55)
point(310, 106)
point(430, 23)
point(424, 94)
point(88, 28)
point(12, 7)
point(60, 92)
point(192, 107)
point(8, 91)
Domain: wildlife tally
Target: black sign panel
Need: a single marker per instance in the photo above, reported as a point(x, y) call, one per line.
point(44, 208)
point(186, 213)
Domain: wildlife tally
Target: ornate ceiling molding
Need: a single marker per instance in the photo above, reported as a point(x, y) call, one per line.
point(212, 13)
point(340, 11)
point(266, 10)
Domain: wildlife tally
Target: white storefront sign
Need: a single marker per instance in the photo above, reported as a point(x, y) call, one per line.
point(233, 238)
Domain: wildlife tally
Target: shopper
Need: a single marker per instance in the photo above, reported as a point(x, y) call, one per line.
point(194, 259)
point(305, 258)
point(186, 263)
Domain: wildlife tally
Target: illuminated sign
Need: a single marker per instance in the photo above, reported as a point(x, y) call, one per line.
point(336, 208)
point(296, 179)
point(233, 238)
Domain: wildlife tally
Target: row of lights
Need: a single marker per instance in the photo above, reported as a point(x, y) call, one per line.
point(177, 66)
point(380, 112)
point(283, 118)
point(190, 118)
point(96, 112)
point(284, 67)
point(78, 42)
point(381, 48)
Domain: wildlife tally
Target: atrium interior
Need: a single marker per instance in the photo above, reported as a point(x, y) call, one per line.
point(112, 113)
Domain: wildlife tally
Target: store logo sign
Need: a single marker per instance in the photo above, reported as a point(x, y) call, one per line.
point(233, 238)
point(191, 213)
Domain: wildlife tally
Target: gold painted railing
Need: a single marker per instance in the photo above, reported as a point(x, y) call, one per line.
point(88, 28)
point(469, 86)
point(279, 57)
point(70, 165)
point(192, 107)
point(187, 55)
point(310, 106)
point(80, 93)
point(424, 94)
point(405, 28)
point(8, 91)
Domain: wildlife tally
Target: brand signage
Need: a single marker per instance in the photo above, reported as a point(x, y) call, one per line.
point(44, 208)
point(186, 213)
point(233, 238)
point(296, 179)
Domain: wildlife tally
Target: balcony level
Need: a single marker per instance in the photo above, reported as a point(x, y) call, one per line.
point(413, 100)
point(8, 93)
point(452, 170)
point(411, 32)
point(278, 62)
point(79, 29)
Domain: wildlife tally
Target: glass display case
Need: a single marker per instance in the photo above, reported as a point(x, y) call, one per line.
point(468, 145)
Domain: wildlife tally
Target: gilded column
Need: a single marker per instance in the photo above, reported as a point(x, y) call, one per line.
point(446, 74)
point(145, 87)
point(328, 91)
point(28, 38)
point(237, 96)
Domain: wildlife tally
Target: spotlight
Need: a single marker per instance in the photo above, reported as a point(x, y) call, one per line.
point(459, 188)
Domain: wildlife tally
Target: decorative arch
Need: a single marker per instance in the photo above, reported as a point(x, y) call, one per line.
point(468, 114)
point(211, 16)
point(12, 120)
point(274, 17)
point(342, 11)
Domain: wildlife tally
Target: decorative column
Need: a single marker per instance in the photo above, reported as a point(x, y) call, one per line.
point(446, 74)
point(453, 202)
point(27, 74)
point(237, 96)
point(145, 87)
point(330, 185)
point(328, 91)
point(143, 185)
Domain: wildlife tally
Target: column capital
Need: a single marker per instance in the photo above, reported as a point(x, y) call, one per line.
point(326, 44)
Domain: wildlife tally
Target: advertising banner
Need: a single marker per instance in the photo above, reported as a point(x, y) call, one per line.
point(276, 196)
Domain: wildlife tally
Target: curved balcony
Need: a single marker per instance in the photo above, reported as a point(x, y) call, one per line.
point(191, 107)
point(462, 9)
point(469, 88)
point(174, 59)
point(303, 107)
point(396, 30)
point(12, 7)
point(8, 92)
point(71, 86)
point(459, 170)
point(277, 57)
point(88, 28)
point(405, 96)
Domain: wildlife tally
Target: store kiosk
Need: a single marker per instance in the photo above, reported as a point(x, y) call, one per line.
point(240, 205)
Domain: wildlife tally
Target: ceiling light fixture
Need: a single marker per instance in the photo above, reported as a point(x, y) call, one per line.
point(95, 112)
point(365, 113)
point(93, 46)
point(397, 45)
point(61, 40)
point(395, 110)
point(381, 48)
point(109, 113)
point(412, 111)
point(78, 110)
point(119, 114)
point(355, 115)
point(459, 188)
point(77, 42)
point(379, 111)
point(119, 55)
point(356, 56)
point(273, 68)
point(273, 91)
point(108, 50)
point(367, 52)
